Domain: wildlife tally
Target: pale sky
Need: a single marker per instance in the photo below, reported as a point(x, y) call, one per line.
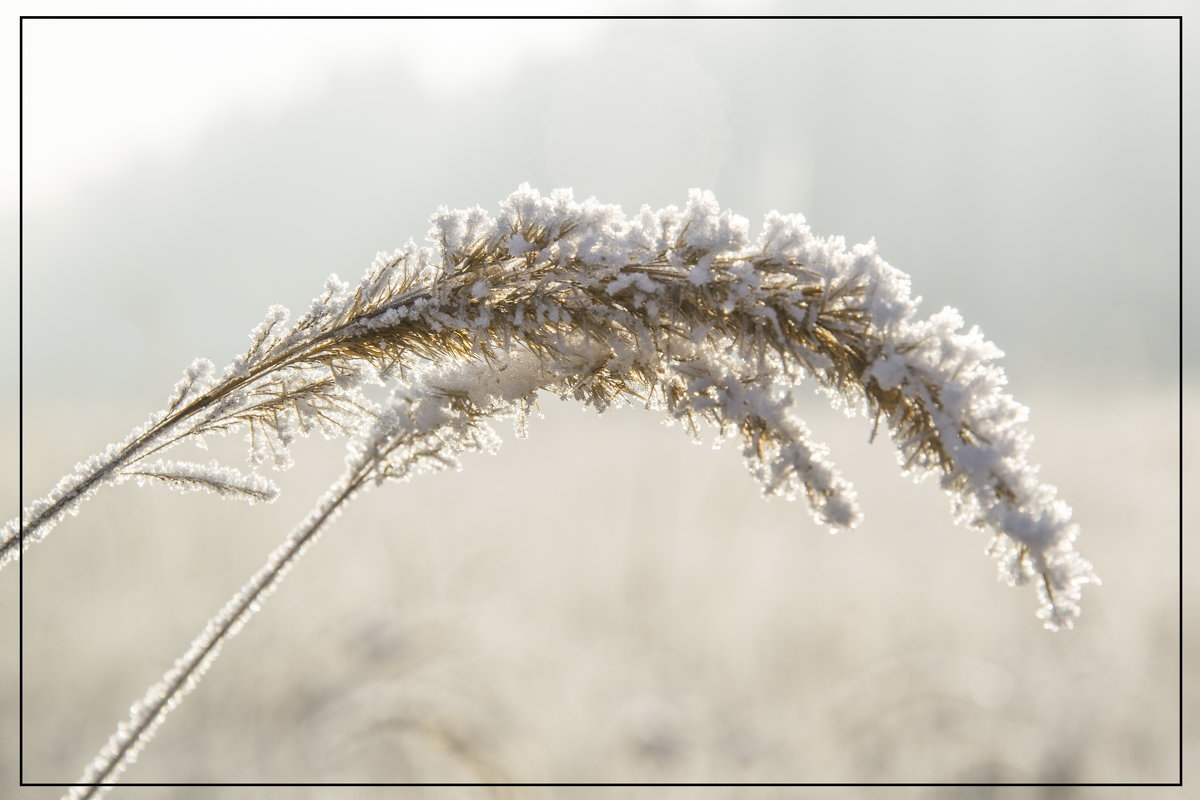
point(146, 88)
point(78, 79)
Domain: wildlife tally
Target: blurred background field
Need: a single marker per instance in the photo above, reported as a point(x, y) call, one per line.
point(603, 601)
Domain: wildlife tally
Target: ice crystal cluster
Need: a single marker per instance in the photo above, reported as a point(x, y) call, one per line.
point(678, 310)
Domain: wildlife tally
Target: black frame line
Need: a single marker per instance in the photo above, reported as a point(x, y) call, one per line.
point(629, 17)
point(345, 785)
point(21, 401)
point(1181, 316)
point(283, 784)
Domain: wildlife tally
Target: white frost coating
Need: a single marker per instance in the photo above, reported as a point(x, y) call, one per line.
point(147, 714)
point(267, 334)
point(777, 445)
point(88, 477)
point(966, 427)
point(197, 379)
point(653, 296)
point(261, 392)
point(888, 370)
point(211, 477)
point(993, 484)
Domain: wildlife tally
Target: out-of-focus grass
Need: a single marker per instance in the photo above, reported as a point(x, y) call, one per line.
point(607, 602)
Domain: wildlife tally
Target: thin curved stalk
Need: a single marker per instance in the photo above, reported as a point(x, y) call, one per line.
point(425, 429)
point(147, 714)
point(320, 348)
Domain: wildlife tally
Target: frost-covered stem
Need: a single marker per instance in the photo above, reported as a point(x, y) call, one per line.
point(428, 424)
point(161, 432)
point(146, 715)
point(37, 524)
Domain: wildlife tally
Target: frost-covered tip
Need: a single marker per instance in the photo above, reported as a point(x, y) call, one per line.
point(683, 284)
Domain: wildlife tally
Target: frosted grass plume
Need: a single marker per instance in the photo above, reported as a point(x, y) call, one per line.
point(680, 300)
point(675, 310)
